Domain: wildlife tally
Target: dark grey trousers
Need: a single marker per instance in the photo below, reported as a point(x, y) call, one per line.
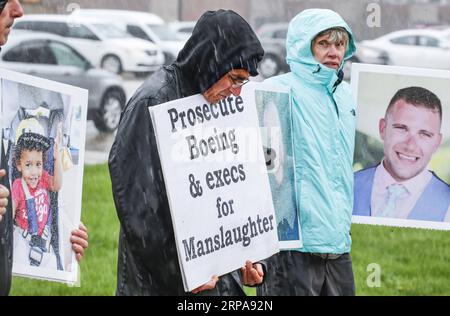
point(305, 274)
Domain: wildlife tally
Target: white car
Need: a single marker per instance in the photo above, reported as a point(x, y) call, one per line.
point(103, 44)
point(183, 28)
point(52, 57)
point(146, 26)
point(425, 48)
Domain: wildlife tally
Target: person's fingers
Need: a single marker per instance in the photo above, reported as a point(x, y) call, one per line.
point(82, 227)
point(255, 277)
point(259, 268)
point(4, 192)
point(80, 233)
point(77, 248)
point(208, 285)
point(3, 202)
point(1, 217)
point(252, 274)
point(75, 240)
point(2, 173)
point(79, 251)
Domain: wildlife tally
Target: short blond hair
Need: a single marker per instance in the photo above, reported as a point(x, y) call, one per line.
point(336, 35)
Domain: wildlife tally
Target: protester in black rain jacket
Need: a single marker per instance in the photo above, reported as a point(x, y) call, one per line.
point(148, 264)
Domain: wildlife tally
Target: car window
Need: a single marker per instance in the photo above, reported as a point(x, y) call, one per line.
point(66, 56)
point(34, 52)
point(280, 34)
point(82, 32)
point(186, 29)
point(164, 32)
point(428, 41)
point(58, 28)
point(136, 31)
point(404, 40)
point(110, 31)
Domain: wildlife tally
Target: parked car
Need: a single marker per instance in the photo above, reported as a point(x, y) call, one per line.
point(52, 57)
point(183, 28)
point(273, 39)
point(429, 48)
point(102, 43)
point(146, 26)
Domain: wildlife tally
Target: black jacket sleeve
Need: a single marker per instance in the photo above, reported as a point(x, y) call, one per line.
point(6, 238)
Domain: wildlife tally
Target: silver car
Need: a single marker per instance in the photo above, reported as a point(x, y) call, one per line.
point(51, 57)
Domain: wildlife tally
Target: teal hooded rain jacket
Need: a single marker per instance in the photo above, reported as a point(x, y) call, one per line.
point(323, 112)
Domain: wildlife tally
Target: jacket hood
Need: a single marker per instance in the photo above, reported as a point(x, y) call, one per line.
point(221, 40)
point(304, 28)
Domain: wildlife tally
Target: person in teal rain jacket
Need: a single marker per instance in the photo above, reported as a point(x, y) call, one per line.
point(323, 113)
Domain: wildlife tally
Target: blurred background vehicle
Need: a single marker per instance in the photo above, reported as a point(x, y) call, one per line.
point(428, 48)
point(183, 29)
point(105, 45)
point(146, 26)
point(273, 40)
point(52, 57)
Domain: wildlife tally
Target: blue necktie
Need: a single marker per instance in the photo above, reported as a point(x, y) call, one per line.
point(394, 192)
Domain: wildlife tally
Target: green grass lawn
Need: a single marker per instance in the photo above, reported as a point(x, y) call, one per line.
point(412, 261)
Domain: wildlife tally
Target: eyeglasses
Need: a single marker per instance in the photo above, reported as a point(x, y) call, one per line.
point(237, 82)
point(2, 4)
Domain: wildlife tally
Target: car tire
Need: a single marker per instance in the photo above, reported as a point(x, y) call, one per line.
point(112, 63)
point(108, 116)
point(269, 66)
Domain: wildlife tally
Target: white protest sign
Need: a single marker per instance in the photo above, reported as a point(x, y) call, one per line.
point(217, 184)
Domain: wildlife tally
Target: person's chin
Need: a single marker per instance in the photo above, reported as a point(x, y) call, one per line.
point(406, 172)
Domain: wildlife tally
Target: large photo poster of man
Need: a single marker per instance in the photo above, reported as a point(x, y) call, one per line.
point(43, 134)
point(402, 147)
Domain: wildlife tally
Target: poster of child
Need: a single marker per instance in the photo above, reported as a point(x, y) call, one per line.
point(43, 131)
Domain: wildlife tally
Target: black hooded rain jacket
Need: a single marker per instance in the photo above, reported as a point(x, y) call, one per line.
point(148, 262)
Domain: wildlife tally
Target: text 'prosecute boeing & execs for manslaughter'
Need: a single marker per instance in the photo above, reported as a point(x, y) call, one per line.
point(215, 143)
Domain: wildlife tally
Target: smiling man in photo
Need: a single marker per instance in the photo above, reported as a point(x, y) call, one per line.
point(401, 186)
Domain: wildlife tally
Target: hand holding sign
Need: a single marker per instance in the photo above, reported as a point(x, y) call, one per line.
point(252, 274)
point(4, 193)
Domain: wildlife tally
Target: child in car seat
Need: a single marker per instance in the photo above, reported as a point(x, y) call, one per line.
point(31, 197)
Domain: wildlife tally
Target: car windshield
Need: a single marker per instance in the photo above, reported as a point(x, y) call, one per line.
point(164, 32)
point(109, 31)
